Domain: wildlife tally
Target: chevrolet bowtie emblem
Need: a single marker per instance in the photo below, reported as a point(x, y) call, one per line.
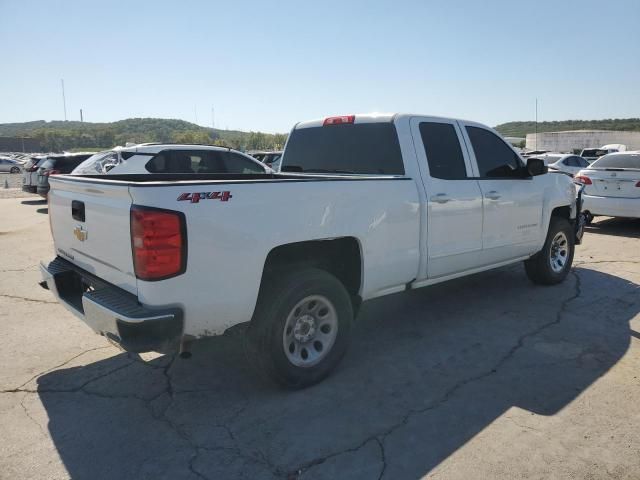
point(80, 233)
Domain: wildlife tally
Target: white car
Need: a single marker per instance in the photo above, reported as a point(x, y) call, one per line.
point(570, 164)
point(612, 186)
point(30, 173)
point(368, 205)
point(169, 159)
point(9, 165)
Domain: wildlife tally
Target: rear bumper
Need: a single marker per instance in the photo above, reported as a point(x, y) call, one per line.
point(612, 206)
point(111, 311)
point(43, 191)
point(29, 188)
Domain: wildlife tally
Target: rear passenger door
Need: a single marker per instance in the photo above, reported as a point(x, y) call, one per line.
point(454, 201)
point(512, 200)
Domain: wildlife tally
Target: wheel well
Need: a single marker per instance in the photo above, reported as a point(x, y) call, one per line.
point(341, 257)
point(563, 212)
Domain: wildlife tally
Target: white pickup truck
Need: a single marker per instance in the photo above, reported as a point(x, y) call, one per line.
point(364, 206)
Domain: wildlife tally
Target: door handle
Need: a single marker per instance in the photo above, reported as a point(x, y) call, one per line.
point(492, 195)
point(440, 198)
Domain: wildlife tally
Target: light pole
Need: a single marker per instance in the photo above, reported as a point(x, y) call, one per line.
point(536, 137)
point(64, 100)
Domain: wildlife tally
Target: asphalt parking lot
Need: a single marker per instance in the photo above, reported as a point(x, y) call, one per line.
point(483, 377)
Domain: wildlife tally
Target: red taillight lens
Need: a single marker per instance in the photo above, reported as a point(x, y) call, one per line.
point(51, 172)
point(583, 180)
point(33, 168)
point(638, 184)
point(339, 120)
point(158, 243)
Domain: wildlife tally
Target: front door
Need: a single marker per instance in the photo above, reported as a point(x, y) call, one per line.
point(512, 200)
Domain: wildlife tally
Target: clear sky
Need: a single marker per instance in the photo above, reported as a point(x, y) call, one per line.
point(266, 65)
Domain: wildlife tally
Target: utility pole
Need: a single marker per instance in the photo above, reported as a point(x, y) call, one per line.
point(213, 123)
point(536, 137)
point(195, 112)
point(81, 116)
point(64, 100)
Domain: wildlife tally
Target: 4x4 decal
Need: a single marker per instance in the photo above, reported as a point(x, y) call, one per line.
point(195, 197)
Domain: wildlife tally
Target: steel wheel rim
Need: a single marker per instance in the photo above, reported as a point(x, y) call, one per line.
point(559, 253)
point(310, 331)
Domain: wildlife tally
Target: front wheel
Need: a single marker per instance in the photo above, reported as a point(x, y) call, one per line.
point(14, 170)
point(551, 265)
point(301, 326)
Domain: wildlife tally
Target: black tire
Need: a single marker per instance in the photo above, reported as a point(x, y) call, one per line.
point(588, 218)
point(14, 170)
point(278, 296)
point(539, 267)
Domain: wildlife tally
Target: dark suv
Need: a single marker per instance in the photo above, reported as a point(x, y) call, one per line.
point(57, 164)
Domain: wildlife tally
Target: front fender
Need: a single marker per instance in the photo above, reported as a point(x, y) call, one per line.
point(559, 192)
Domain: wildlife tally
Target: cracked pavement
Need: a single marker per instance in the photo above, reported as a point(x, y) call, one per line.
point(487, 376)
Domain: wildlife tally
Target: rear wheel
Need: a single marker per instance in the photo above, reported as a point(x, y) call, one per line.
point(301, 326)
point(551, 265)
point(14, 170)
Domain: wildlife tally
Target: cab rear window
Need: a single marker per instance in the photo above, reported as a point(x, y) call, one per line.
point(361, 148)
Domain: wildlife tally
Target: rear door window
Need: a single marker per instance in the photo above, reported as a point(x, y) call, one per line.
point(211, 161)
point(495, 159)
point(443, 151)
point(361, 148)
point(47, 164)
point(97, 164)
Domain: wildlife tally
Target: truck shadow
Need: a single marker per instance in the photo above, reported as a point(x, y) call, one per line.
point(427, 371)
point(619, 227)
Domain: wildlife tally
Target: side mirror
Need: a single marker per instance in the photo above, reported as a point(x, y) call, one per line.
point(536, 166)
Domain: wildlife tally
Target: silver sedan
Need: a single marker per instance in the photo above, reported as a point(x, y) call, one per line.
point(10, 166)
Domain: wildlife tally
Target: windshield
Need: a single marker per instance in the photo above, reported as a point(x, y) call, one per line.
point(365, 148)
point(593, 152)
point(617, 160)
point(100, 163)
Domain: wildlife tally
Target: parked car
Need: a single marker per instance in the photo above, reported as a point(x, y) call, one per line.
point(268, 158)
point(54, 165)
point(8, 165)
point(592, 154)
point(612, 186)
point(531, 153)
point(371, 205)
point(569, 164)
point(169, 158)
point(30, 173)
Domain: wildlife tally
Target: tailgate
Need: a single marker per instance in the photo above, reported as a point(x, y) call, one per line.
point(90, 227)
point(613, 183)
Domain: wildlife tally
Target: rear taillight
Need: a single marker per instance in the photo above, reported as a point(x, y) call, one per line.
point(33, 168)
point(638, 184)
point(339, 120)
point(583, 180)
point(51, 172)
point(158, 243)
